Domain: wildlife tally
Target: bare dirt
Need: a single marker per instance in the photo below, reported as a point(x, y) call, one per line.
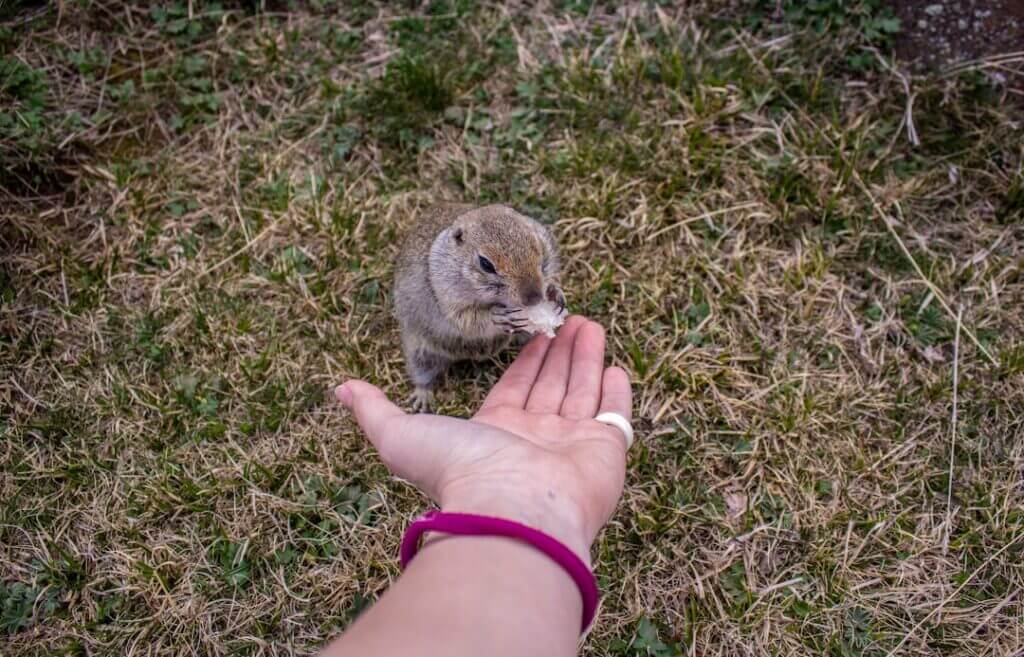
point(944, 33)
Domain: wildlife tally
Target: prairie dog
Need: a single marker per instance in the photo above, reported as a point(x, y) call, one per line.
point(465, 277)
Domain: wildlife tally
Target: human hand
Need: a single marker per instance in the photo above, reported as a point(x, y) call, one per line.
point(533, 452)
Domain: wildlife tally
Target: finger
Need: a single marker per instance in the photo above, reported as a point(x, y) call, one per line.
point(372, 408)
point(616, 394)
point(549, 389)
point(513, 388)
point(584, 392)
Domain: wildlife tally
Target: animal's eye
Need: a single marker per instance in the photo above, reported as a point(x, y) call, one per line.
point(487, 265)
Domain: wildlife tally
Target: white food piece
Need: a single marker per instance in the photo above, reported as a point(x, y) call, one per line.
point(543, 318)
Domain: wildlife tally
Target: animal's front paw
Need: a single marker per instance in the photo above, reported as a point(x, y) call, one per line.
point(422, 400)
point(557, 297)
point(509, 320)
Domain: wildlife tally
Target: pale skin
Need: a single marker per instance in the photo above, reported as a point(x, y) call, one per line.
point(533, 454)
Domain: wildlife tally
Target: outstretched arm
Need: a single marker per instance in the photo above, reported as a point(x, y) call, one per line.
point(533, 454)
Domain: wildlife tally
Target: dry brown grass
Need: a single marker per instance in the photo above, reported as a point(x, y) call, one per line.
point(190, 261)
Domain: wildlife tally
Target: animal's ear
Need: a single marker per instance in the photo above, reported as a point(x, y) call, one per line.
point(457, 234)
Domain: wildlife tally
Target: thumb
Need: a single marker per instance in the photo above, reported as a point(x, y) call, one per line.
point(386, 425)
point(372, 408)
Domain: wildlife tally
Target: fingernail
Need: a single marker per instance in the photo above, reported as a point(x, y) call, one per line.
point(343, 394)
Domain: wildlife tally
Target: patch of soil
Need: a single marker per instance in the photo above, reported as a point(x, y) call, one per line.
point(937, 34)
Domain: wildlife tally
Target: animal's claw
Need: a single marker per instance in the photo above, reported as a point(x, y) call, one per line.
point(556, 297)
point(509, 320)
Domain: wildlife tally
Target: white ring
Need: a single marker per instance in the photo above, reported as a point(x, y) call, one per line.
point(620, 423)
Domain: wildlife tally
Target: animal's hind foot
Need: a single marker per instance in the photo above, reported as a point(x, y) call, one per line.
point(422, 400)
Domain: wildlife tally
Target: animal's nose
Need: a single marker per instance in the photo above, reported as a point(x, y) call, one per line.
point(530, 294)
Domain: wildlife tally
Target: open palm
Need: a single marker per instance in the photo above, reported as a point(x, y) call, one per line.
point(532, 453)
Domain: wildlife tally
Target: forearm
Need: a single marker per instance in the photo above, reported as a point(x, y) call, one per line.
point(471, 596)
point(533, 455)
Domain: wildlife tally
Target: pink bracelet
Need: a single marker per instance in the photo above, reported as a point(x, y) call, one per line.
point(467, 524)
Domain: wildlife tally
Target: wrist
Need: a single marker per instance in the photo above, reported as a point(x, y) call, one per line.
point(503, 586)
point(485, 534)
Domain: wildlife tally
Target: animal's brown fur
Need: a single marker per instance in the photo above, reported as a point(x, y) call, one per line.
point(448, 307)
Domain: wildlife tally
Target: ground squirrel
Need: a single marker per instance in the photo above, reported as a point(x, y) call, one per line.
point(467, 283)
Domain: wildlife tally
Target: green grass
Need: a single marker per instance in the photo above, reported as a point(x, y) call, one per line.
point(198, 218)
